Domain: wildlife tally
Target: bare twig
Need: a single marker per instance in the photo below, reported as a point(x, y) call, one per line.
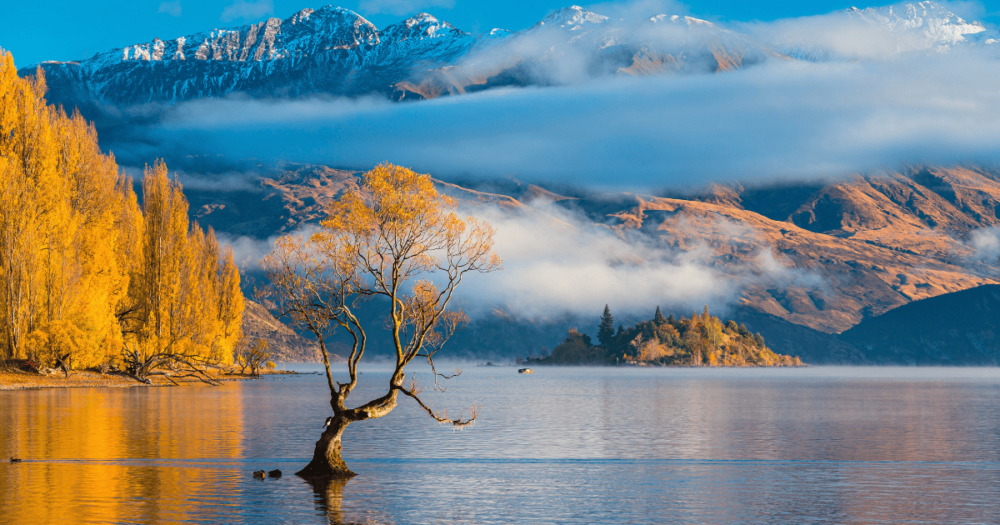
point(443, 418)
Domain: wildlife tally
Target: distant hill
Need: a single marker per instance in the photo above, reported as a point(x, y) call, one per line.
point(283, 343)
point(961, 328)
point(844, 250)
point(876, 242)
point(812, 346)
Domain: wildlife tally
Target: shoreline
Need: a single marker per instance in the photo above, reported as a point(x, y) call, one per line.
point(18, 381)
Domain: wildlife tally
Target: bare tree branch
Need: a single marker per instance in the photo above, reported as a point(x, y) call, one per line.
point(443, 417)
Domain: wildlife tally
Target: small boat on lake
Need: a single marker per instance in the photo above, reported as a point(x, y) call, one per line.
point(525, 371)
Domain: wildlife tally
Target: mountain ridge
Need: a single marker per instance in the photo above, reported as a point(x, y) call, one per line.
point(332, 50)
point(335, 51)
point(960, 328)
point(883, 242)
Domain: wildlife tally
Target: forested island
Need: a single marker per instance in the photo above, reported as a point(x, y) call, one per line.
point(699, 340)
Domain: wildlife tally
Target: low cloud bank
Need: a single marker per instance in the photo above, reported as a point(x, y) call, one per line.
point(779, 121)
point(558, 262)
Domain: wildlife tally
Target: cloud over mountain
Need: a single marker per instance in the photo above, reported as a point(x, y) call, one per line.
point(580, 97)
point(787, 120)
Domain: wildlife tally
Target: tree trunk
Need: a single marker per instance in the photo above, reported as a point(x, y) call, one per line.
point(326, 461)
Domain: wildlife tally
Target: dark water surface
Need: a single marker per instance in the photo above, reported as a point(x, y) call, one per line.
point(565, 445)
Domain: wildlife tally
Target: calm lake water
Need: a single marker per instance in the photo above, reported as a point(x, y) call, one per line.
point(565, 445)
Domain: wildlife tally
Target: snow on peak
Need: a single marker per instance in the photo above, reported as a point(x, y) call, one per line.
point(305, 33)
point(419, 26)
point(571, 18)
point(422, 18)
point(676, 19)
point(930, 20)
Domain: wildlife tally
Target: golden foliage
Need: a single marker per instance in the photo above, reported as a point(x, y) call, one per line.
point(398, 229)
point(83, 269)
point(395, 237)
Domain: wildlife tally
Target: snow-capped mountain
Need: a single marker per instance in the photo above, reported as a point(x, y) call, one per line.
point(931, 23)
point(574, 44)
point(877, 32)
point(336, 51)
point(573, 18)
point(329, 50)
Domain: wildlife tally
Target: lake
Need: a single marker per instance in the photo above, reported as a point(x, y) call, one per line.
point(564, 445)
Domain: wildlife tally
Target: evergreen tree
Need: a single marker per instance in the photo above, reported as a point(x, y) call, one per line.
point(606, 331)
point(658, 317)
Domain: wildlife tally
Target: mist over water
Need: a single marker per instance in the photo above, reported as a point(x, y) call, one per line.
point(574, 445)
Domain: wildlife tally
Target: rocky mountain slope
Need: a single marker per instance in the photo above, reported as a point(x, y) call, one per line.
point(283, 343)
point(810, 259)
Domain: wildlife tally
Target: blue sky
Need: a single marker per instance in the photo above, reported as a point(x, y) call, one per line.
point(71, 29)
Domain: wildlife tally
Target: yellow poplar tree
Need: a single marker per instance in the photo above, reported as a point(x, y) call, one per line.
point(84, 270)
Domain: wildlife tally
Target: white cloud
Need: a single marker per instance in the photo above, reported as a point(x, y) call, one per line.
point(401, 7)
point(558, 262)
point(241, 10)
point(170, 8)
point(784, 120)
point(248, 251)
point(985, 244)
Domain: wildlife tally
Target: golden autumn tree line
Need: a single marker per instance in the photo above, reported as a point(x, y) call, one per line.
point(85, 270)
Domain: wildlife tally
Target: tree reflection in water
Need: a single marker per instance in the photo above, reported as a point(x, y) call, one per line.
point(329, 494)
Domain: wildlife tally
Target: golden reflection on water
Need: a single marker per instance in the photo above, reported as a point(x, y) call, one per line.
point(567, 445)
point(91, 443)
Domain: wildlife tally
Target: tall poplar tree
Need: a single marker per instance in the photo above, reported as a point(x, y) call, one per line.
point(86, 272)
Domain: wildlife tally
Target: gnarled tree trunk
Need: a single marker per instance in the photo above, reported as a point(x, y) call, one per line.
point(326, 461)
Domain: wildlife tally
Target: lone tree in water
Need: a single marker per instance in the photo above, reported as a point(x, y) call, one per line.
point(396, 228)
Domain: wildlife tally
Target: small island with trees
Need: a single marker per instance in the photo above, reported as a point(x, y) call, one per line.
point(700, 340)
